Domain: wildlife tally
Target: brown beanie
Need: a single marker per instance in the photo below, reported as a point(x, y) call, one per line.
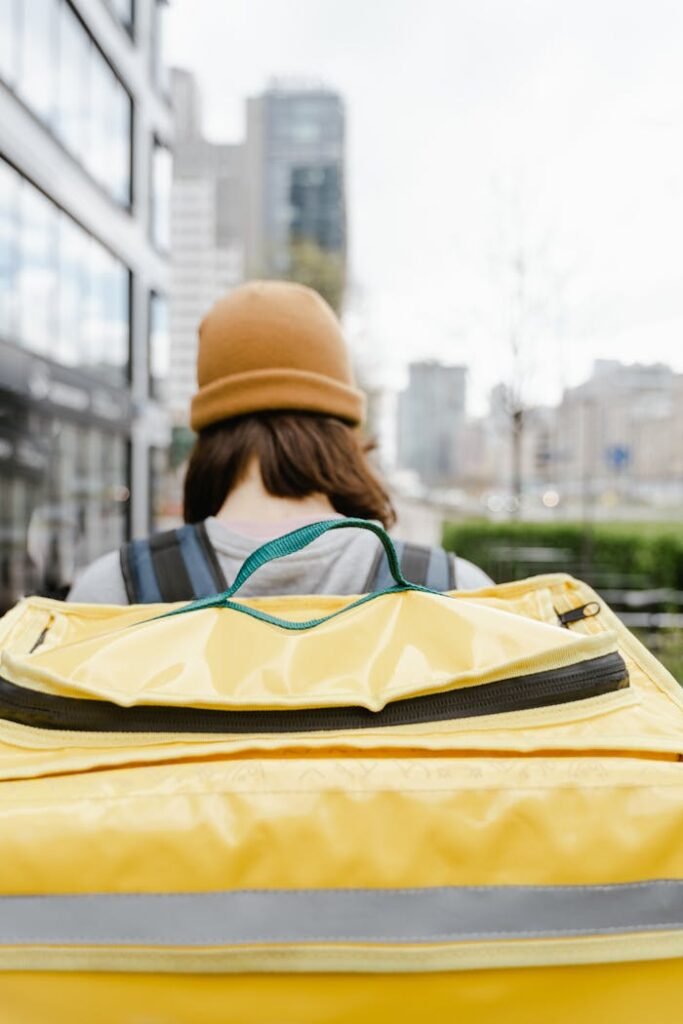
point(273, 345)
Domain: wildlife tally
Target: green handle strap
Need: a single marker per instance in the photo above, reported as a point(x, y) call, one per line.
point(297, 540)
point(288, 544)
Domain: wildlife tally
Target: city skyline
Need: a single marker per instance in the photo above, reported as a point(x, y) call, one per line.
point(460, 117)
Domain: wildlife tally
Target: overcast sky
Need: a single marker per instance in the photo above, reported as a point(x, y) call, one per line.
point(477, 128)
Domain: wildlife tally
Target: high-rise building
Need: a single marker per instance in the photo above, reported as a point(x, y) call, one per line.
point(431, 414)
point(296, 210)
point(85, 126)
point(206, 235)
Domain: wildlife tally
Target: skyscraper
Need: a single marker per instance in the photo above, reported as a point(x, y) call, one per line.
point(85, 127)
point(431, 414)
point(296, 209)
point(206, 233)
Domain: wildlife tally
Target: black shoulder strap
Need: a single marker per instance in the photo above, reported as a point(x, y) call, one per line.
point(425, 566)
point(178, 565)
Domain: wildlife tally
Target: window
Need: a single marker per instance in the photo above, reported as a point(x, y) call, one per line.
point(9, 249)
point(106, 320)
point(48, 57)
point(62, 293)
point(159, 345)
point(120, 319)
point(10, 13)
point(159, 479)
point(72, 257)
point(38, 58)
point(94, 312)
point(160, 73)
point(72, 124)
point(122, 128)
point(110, 128)
point(61, 509)
point(37, 270)
point(162, 173)
point(113, 329)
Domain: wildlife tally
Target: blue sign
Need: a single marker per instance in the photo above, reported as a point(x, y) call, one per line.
point(618, 456)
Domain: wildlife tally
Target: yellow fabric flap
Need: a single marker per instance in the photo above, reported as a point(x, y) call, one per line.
point(396, 646)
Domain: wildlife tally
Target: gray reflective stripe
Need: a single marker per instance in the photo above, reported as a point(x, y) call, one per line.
point(269, 916)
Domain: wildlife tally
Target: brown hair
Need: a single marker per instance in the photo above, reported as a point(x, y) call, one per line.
point(299, 454)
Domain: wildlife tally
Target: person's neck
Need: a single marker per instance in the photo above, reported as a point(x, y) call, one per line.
point(249, 501)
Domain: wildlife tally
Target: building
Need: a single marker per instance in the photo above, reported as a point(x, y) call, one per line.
point(85, 126)
point(618, 434)
point(431, 416)
point(295, 198)
point(613, 441)
point(207, 249)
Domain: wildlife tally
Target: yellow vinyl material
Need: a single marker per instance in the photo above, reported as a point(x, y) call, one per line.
point(571, 798)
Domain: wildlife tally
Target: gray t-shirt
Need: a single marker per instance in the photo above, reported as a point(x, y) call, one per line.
point(336, 563)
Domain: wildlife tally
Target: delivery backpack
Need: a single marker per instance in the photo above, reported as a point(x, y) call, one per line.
point(402, 806)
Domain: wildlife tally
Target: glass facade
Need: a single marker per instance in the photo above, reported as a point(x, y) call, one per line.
point(159, 481)
point(159, 346)
point(162, 175)
point(79, 425)
point(63, 436)
point(62, 294)
point(316, 206)
point(50, 61)
point(160, 73)
point(304, 194)
point(63, 499)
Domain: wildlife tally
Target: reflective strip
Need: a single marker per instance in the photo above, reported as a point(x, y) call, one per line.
point(285, 916)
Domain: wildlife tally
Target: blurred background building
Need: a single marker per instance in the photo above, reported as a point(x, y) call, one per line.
point(431, 416)
point(85, 132)
point(295, 193)
point(614, 439)
point(610, 446)
point(207, 246)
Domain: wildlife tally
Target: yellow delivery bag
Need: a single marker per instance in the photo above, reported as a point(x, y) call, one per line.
point(406, 806)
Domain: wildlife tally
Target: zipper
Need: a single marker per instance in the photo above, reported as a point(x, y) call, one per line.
point(584, 611)
point(540, 689)
point(41, 640)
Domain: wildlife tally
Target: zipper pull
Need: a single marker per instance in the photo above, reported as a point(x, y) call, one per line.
point(41, 639)
point(585, 611)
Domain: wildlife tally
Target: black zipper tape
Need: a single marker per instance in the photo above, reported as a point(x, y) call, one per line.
point(556, 686)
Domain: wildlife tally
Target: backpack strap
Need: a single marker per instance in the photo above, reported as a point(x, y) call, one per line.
point(178, 565)
point(425, 566)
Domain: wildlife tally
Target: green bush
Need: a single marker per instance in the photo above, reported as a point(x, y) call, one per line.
point(607, 555)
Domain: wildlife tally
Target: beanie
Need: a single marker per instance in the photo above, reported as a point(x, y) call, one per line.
point(273, 345)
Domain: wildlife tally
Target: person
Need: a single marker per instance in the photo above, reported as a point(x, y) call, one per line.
point(277, 415)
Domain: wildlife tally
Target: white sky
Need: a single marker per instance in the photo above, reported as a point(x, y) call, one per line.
point(474, 127)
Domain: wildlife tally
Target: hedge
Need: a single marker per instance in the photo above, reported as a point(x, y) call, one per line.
point(607, 555)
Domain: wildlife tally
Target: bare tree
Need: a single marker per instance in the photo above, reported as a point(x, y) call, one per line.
point(530, 283)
